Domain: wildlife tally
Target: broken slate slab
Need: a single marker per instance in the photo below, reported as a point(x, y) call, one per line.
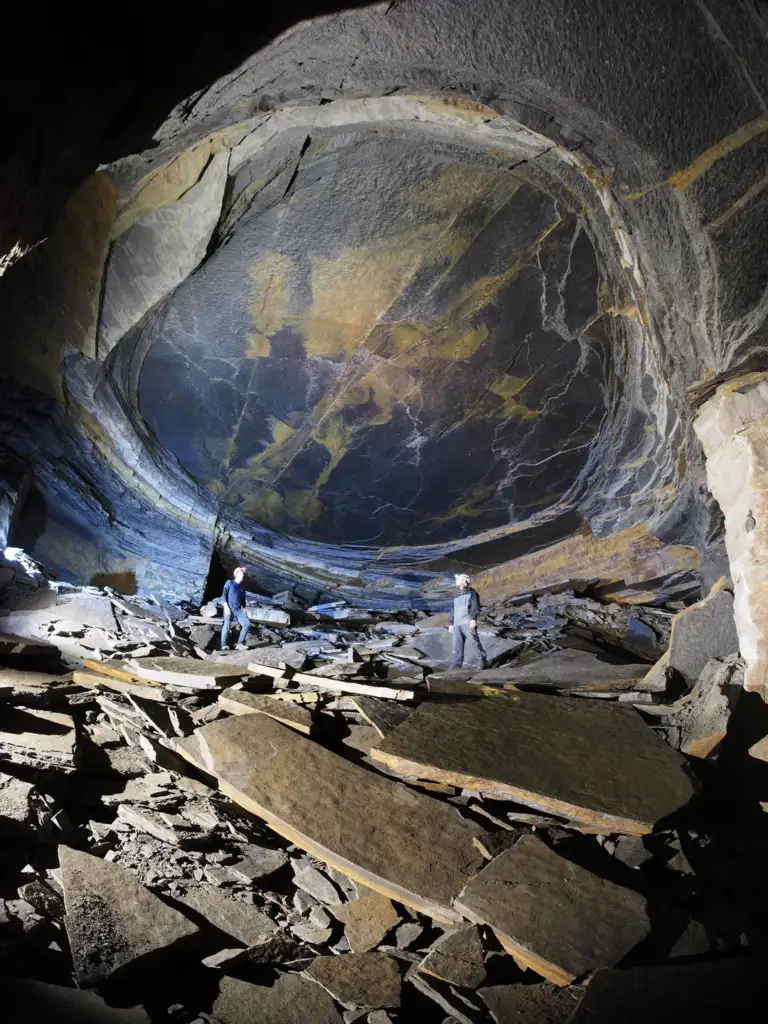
point(410, 847)
point(569, 669)
point(230, 915)
point(241, 702)
point(37, 738)
point(316, 884)
point(257, 862)
point(18, 819)
point(703, 719)
point(292, 999)
point(530, 1004)
point(702, 631)
point(113, 922)
point(358, 980)
point(597, 764)
point(187, 672)
point(383, 715)
point(366, 920)
point(457, 958)
point(553, 916)
point(25, 1000)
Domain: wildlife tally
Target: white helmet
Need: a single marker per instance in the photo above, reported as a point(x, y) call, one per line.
point(461, 577)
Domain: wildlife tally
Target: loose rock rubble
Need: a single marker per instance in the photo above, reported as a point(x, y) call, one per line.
point(333, 826)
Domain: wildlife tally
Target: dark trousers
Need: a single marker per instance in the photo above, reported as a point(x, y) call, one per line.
point(462, 635)
point(245, 625)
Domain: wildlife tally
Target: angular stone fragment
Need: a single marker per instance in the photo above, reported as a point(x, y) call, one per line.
point(15, 649)
point(704, 630)
point(314, 934)
point(449, 1000)
point(187, 672)
point(256, 862)
point(410, 847)
point(552, 915)
point(235, 917)
point(316, 884)
point(384, 715)
point(39, 739)
point(292, 999)
point(112, 921)
point(240, 702)
point(594, 763)
point(703, 720)
point(168, 828)
point(457, 958)
point(365, 980)
point(366, 920)
point(43, 898)
point(25, 1000)
point(530, 1004)
point(17, 812)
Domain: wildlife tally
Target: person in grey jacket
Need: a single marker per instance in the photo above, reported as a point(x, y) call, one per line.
point(466, 608)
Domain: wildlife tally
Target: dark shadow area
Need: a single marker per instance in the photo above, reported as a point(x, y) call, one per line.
point(29, 521)
point(122, 582)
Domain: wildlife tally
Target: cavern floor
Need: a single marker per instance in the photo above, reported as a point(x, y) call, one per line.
point(334, 825)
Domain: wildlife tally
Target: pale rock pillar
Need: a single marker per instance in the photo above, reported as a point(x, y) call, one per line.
point(733, 429)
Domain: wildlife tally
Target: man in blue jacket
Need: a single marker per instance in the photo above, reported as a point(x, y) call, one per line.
point(466, 608)
point(233, 599)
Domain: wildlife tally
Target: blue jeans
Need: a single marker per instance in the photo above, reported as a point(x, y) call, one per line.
point(462, 635)
point(245, 625)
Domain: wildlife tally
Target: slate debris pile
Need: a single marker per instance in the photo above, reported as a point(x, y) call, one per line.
point(333, 826)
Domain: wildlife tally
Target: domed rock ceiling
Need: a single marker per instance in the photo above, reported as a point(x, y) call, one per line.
point(416, 286)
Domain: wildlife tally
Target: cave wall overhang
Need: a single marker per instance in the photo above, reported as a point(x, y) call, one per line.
point(658, 211)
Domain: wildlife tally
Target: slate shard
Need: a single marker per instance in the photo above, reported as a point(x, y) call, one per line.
point(530, 1004)
point(292, 999)
point(601, 766)
point(553, 916)
point(457, 958)
point(570, 669)
point(241, 702)
point(113, 922)
point(379, 832)
point(38, 738)
point(702, 631)
point(233, 916)
point(358, 980)
point(367, 920)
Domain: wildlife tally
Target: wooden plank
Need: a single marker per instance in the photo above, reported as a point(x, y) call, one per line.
point(335, 685)
point(117, 669)
point(410, 847)
point(240, 702)
point(553, 916)
point(597, 764)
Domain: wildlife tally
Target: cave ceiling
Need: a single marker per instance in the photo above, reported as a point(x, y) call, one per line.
point(415, 286)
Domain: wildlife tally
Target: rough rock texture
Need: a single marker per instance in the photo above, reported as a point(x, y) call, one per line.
point(733, 429)
point(598, 765)
point(457, 958)
point(552, 915)
point(705, 630)
point(240, 702)
point(366, 920)
point(392, 839)
point(112, 921)
point(365, 980)
point(233, 916)
point(529, 1004)
point(292, 999)
point(358, 388)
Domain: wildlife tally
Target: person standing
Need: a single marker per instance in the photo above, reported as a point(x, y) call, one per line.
point(233, 599)
point(466, 608)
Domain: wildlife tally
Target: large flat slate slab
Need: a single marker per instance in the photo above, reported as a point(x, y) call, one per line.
point(599, 765)
point(569, 669)
point(112, 920)
point(553, 916)
point(405, 845)
point(188, 672)
point(529, 1004)
point(366, 980)
point(38, 738)
point(25, 1000)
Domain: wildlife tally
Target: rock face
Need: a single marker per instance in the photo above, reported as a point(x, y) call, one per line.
point(357, 329)
point(733, 429)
